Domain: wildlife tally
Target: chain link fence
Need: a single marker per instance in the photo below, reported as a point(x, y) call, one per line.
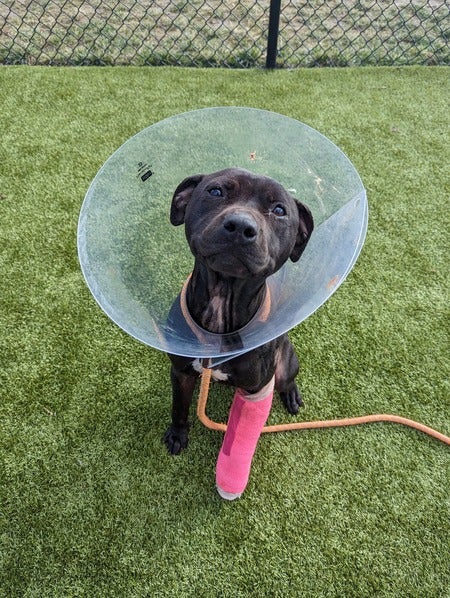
point(225, 33)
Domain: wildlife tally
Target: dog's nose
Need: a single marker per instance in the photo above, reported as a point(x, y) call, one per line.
point(241, 228)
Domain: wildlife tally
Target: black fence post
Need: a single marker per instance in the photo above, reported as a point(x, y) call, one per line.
point(272, 37)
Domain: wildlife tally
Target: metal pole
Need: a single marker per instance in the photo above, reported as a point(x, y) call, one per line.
point(272, 37)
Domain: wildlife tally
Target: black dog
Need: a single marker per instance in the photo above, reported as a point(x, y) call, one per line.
point(241, 228)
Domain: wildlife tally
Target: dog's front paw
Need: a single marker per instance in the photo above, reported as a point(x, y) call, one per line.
point(292, 400)
point(176, 439)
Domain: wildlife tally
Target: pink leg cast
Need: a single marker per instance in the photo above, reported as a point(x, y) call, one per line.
point(248, 415)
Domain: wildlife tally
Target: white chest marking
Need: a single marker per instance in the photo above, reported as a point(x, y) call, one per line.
point(216, 374)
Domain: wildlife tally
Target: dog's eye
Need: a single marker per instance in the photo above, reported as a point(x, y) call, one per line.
point(279, 210)
point(216, 192)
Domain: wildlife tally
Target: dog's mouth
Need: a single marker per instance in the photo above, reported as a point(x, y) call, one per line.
point(228, 264)
point(232, 255)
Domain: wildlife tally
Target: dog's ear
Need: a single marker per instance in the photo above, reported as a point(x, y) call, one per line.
point(181, 197)
point(305, 228)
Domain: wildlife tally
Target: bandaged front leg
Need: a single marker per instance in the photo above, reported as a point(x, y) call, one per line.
point(248, 415)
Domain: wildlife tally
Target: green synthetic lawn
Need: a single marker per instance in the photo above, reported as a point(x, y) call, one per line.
point(91, 504)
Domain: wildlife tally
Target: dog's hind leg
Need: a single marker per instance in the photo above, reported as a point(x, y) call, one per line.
point(286, 370)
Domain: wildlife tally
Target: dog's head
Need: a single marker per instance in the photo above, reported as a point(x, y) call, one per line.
point(241, 224)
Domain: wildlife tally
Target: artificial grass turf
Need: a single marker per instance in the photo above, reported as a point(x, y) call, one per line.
point(91, 504)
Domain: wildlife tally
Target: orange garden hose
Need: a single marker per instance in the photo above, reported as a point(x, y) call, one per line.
point(332, 423)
